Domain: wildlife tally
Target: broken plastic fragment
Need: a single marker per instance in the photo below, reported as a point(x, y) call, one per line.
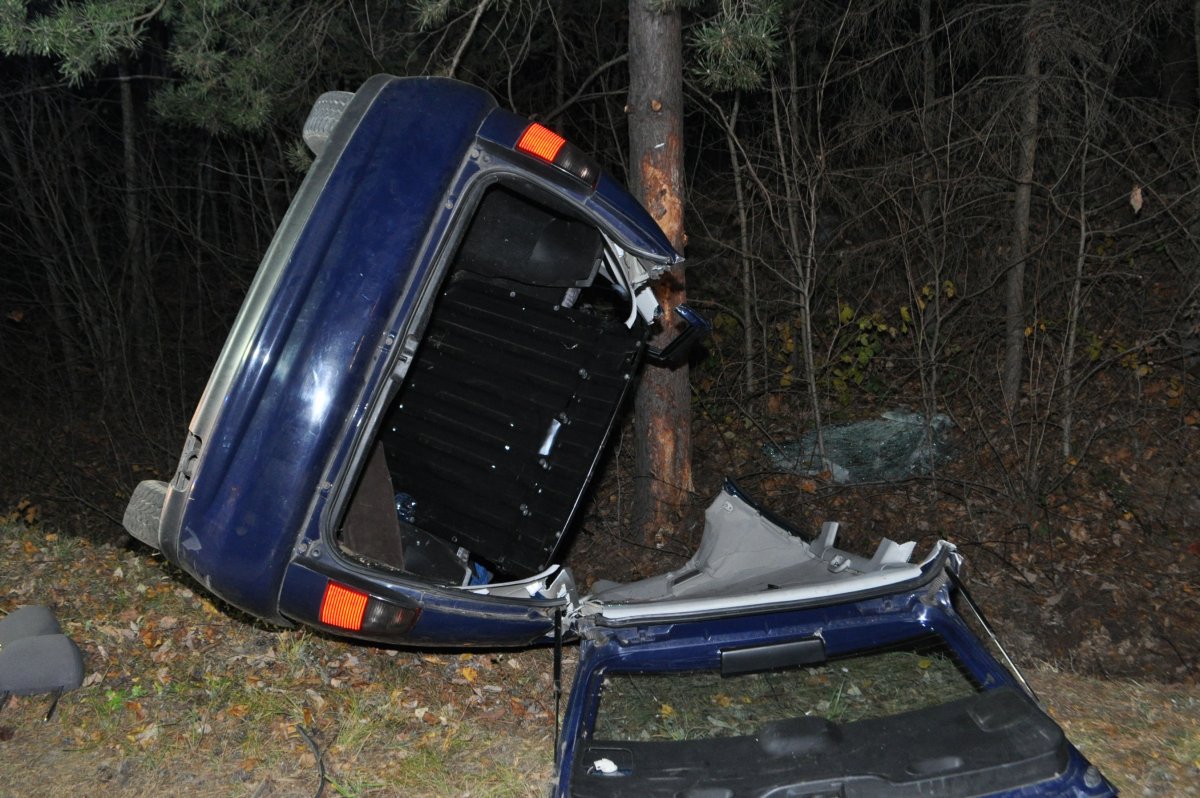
point(605, 766)
point(647, 304)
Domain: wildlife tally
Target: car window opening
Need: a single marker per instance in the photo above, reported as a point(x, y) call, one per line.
point(697, 705)
point(827, 729)
point(480, 458)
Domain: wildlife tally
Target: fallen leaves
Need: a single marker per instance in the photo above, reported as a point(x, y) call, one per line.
point(26, 512)
point(149, 637)
point(148, 735)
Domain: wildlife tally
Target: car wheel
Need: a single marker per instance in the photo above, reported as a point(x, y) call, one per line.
point(323, 118)
point(143, 511)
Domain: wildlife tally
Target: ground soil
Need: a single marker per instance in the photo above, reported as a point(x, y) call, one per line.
point(1094, 589)
point(1099, 576)
point(186, 696)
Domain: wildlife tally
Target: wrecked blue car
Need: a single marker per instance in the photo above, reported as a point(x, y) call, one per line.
point(771, 665)
point(395, 440)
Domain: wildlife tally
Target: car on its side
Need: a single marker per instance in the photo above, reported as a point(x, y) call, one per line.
point(395, 440)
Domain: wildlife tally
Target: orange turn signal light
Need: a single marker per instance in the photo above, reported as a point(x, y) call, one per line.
point(541, 142)
point(343, 607)
point(544, 144)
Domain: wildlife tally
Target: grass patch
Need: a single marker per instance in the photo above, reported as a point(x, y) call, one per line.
point(1144, 736)
point(183, 696)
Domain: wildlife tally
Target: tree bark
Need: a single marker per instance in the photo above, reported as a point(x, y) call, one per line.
point(1014, 294)
point(662, 411)
point(1074, 309)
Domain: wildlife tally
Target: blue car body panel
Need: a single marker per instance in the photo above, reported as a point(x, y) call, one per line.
point(445, 618)
point(345, 274)
point(843, 628)
point(609, 204)
point(301, 380)
point(331, 324)
point(1010, 748)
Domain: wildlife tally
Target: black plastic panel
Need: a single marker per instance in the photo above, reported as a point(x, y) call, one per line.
point(994, 741)
point(515, 238)
point(501, 373)
point(769, 657)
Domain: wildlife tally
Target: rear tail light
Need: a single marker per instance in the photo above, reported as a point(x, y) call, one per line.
point(343, 607)
point(544, 144)
point(346, 608)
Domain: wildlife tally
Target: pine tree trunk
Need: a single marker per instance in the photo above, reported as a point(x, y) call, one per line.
point(662, 420)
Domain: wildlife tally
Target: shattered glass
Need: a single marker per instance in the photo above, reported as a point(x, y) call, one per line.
point(898, 445)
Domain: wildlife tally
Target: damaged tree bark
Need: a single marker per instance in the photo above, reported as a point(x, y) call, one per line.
point(663, 451)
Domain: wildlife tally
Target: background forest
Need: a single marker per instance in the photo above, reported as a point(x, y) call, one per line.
point(983, 210)
point(983, 213)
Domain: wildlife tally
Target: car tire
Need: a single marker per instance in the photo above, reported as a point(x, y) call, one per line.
point(143, 511)
point(323, 118)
